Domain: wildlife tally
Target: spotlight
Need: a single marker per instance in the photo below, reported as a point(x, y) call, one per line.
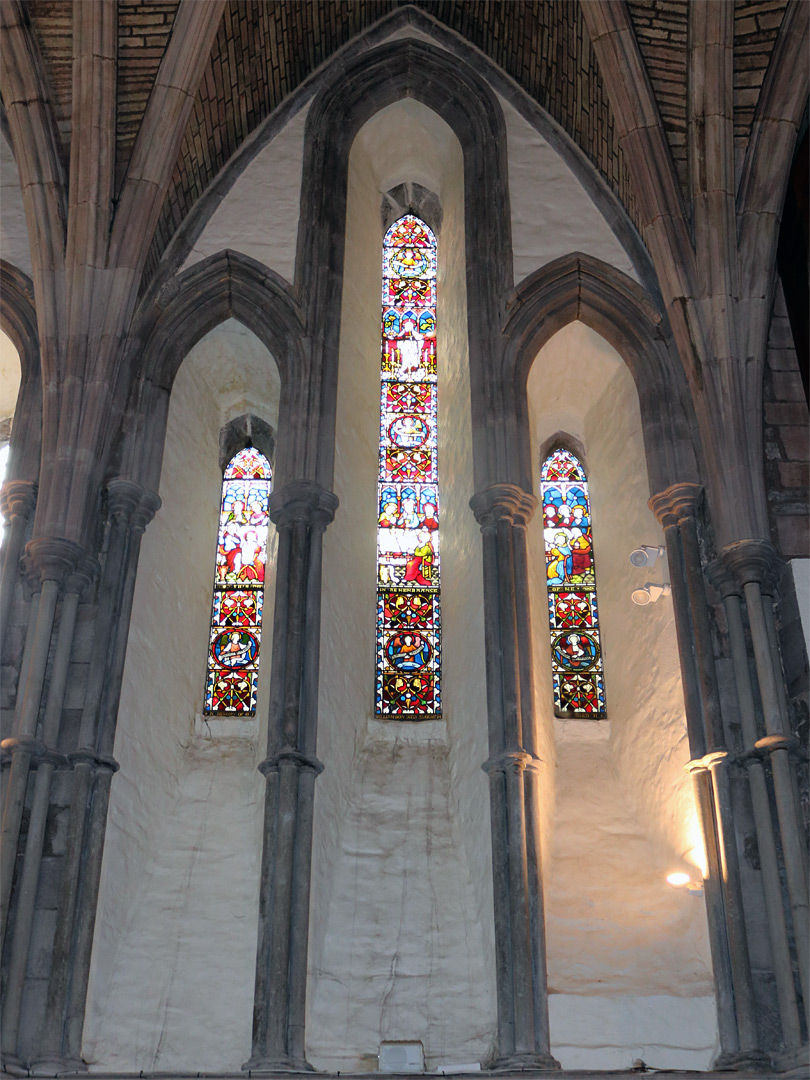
point(649, 593)
point(646, 555)
point(678, 879)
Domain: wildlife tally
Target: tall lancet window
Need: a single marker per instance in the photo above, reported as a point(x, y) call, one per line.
point(236, 612)
point(408, 680)
point(576, 649)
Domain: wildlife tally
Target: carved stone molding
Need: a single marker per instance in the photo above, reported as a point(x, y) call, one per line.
point(289, 755)
point(52, 558)
point(676, 502)
point(750, 561)
point(503, 501)
point(17, 499)
point(516, 760)
point(303, 501)
point(708, 761)
point(86, 755)
point(40, 753)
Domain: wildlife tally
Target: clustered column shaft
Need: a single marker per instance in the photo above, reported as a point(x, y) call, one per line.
point(58, 568)
point(301, 510)
point(503, 511)
point(711, 766)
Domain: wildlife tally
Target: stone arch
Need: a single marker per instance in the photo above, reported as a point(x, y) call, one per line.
point(353, 56)
point(226, 285)
point(405, 68)
point(18, 319)
point(581, 287)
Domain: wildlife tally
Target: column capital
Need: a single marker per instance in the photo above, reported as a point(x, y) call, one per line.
point(123, 497)
point(503, 501)
point(86, 755)
point(676, 502)
point(149, 504)
point(83, 576)
point(750, 561)
point(18, 498)
point(51, 558)
point(303, 501)
point(289, 755)
point(722, 579)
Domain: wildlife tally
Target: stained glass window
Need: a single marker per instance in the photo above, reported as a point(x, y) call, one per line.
point(408, 679)
point(236, 612)
point(576, 650)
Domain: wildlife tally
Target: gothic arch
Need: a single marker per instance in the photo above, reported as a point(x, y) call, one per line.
point(452, 46)
point(226, 285)
point(406, 68)
point(579, 286)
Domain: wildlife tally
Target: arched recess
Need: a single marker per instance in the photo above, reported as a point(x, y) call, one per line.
point(399, 69)
point(186, 809)
point(582, 287)
point(226, 285)
point(431, 886)
point(619, 813)
point(18, 319)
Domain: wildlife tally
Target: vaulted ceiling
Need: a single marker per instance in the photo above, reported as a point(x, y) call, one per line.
point(265, 49)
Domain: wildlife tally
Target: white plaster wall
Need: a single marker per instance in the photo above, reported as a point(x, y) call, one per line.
point(552, 214)
point(401, 943)
point(629, 970)
point(174, 954)
point(13, 230)
point(10, 375)
point(259, 215)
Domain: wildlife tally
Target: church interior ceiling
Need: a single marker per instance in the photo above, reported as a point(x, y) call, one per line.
point(266, 49)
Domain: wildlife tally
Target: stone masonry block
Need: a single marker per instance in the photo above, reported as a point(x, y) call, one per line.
point(796, 442)
point(794, 536)
point(787, 386)
point(794, 474)
point(785, 412)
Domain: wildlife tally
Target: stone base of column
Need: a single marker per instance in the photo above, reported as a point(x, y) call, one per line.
point(794, 1062)
point(267, 1066)
point(55, 1066)
point(525, 1062)
point(743, 1061)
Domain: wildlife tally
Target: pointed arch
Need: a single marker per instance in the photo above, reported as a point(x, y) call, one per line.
point(18, 318)
point(579, 286)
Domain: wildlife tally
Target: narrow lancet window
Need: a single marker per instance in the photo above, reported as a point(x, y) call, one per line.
point(236, 612)
point(576, 650)
point(408, 680)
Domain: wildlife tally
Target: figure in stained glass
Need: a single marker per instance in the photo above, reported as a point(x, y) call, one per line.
point(576, 654)
point(408, 571)
point(233, 660)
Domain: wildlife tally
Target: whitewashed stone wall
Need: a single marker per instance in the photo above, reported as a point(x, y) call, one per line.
point(628, 955)
point(174, 954)
point(401, 943)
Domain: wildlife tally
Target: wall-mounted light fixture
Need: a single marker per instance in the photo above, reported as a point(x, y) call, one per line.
point(646, 555)
point(679, 879)
point(649, 593)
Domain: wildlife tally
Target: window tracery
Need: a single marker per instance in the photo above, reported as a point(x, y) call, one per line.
point(576, 648)
point(236, 610)
point(408, 662)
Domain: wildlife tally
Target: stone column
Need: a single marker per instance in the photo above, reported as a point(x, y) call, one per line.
point(92, 768)
point(755, 566)
point(731, 592)
point(677, 510)
point(301, 510)
point(17, 502)
point(47, 759)
point(513, 767)
point(50, 562)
